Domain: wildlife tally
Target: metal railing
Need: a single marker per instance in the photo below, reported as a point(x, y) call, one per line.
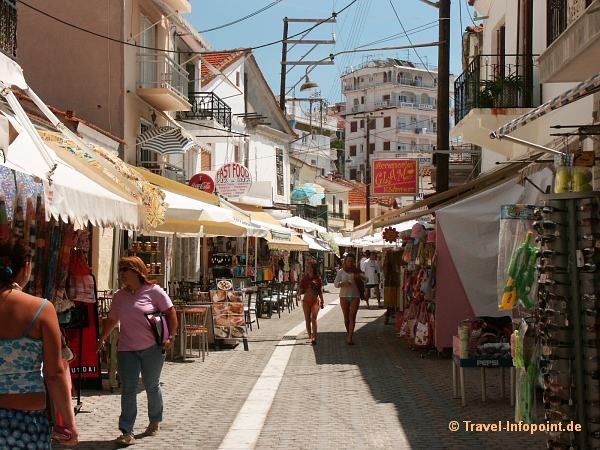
point(337, 215)
point(158, 70)
point(316, 214)
point(163, 169)
point(495, 81)
point(207, 106)
point(8, 28)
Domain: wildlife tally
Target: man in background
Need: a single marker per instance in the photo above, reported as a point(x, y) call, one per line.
point(363, 260)
point(372, 271)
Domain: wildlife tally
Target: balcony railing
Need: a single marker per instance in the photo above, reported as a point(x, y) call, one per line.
point(207, 106)
point(158, 70)
point(315, 214)
point(338, 215)
point(149, 160)
point(495, 81)
point(8, 28)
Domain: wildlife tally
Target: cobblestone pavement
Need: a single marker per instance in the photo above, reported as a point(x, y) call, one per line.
point(377, 394)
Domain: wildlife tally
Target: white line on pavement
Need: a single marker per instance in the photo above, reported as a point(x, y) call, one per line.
point(247, 426)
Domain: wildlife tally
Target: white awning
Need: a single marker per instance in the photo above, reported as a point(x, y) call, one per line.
point(303, 224)
point(71, 195)
point(583, 89)
point(313, 244)
point(186, 215)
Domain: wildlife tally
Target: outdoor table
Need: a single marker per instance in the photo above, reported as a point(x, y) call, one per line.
point(181, 336)
point(482, 364)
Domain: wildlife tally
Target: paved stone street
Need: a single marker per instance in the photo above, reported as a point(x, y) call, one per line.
point(377, 394)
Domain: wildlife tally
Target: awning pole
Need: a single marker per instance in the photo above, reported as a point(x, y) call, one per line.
point(494, 135)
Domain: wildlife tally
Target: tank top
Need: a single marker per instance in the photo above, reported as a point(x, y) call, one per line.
point(21, 362)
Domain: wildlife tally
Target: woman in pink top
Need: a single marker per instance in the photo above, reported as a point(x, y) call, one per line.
point(138, 351)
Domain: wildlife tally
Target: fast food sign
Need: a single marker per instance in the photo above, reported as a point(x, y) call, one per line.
point(233, 180)
point(395, 177)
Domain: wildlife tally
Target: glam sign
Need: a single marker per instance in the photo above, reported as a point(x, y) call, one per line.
point(395, 177)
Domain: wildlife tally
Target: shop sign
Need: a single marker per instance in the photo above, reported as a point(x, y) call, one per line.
point(390, 234)
point(395, 177)
point(233, 180)
point(203, 182)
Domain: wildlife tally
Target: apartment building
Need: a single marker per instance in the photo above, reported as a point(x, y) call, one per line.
point(390, 112)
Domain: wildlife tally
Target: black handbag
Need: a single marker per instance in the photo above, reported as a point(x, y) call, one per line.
point(159, 326)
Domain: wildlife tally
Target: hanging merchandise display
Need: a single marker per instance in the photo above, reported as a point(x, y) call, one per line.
point(517, 256)
point(417, 288)
point(567, 323)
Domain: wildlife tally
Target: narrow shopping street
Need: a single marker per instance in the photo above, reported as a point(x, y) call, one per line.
point(377, 394)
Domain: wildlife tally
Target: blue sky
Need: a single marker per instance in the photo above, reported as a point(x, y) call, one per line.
point(367, 24)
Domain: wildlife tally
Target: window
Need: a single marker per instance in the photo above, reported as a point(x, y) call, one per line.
point(353, 127)
point(371, 147)
point(362, 100)
point(333, 202)
point(386, 145)
point(372, 124)
point(353, 174)
point(387, 122)
point(352, 151)
point(237, 156)
point(341, 207)
point(279, 170)
point(362, 123)
point(385, 78)
point(237, 78)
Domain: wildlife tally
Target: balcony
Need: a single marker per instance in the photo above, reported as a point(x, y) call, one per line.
point(573, 41)
point(8, 28)
point(209, 110)
point(315, 214)
point(491, 82)
point(152, 162)
point(464, 164)
point(162, 82)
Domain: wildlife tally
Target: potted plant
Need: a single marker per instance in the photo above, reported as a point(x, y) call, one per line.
point(502, 91)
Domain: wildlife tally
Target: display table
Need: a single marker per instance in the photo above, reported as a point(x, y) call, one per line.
point(482, 364)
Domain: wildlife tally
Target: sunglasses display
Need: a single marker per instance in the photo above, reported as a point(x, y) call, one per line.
point(567, 315)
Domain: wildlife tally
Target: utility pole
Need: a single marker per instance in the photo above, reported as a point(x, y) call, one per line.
point(442, 151)
point(283, 67)
point(284, 49)
point(368, 173)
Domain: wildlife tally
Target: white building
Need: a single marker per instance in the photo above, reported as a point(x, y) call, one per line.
point(523, 58)
point(398, 101)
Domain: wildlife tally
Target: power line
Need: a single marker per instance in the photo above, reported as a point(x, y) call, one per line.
point(130, 44)
point(241, 19)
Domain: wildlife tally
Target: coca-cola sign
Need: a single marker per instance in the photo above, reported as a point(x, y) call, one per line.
point(233, 180)
point(202, 182)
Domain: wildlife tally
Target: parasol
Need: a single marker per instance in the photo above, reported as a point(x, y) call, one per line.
point(310, 193)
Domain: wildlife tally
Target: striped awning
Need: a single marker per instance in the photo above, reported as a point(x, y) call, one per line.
point(165, 140)
point(583, 89)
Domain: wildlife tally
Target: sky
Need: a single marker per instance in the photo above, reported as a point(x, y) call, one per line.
point(365, 23)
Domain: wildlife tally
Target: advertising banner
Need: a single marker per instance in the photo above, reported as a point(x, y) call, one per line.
point(395, 177)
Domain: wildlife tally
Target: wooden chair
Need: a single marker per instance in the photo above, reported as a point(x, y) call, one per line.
point(195, 326)
point(249, 309)
point(273, 298)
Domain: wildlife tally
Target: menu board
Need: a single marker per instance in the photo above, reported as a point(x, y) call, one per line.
point(228, 312)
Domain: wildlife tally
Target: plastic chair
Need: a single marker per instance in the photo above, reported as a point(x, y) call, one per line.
point(195, 325)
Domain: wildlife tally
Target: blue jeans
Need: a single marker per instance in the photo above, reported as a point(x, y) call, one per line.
point(149, 363)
